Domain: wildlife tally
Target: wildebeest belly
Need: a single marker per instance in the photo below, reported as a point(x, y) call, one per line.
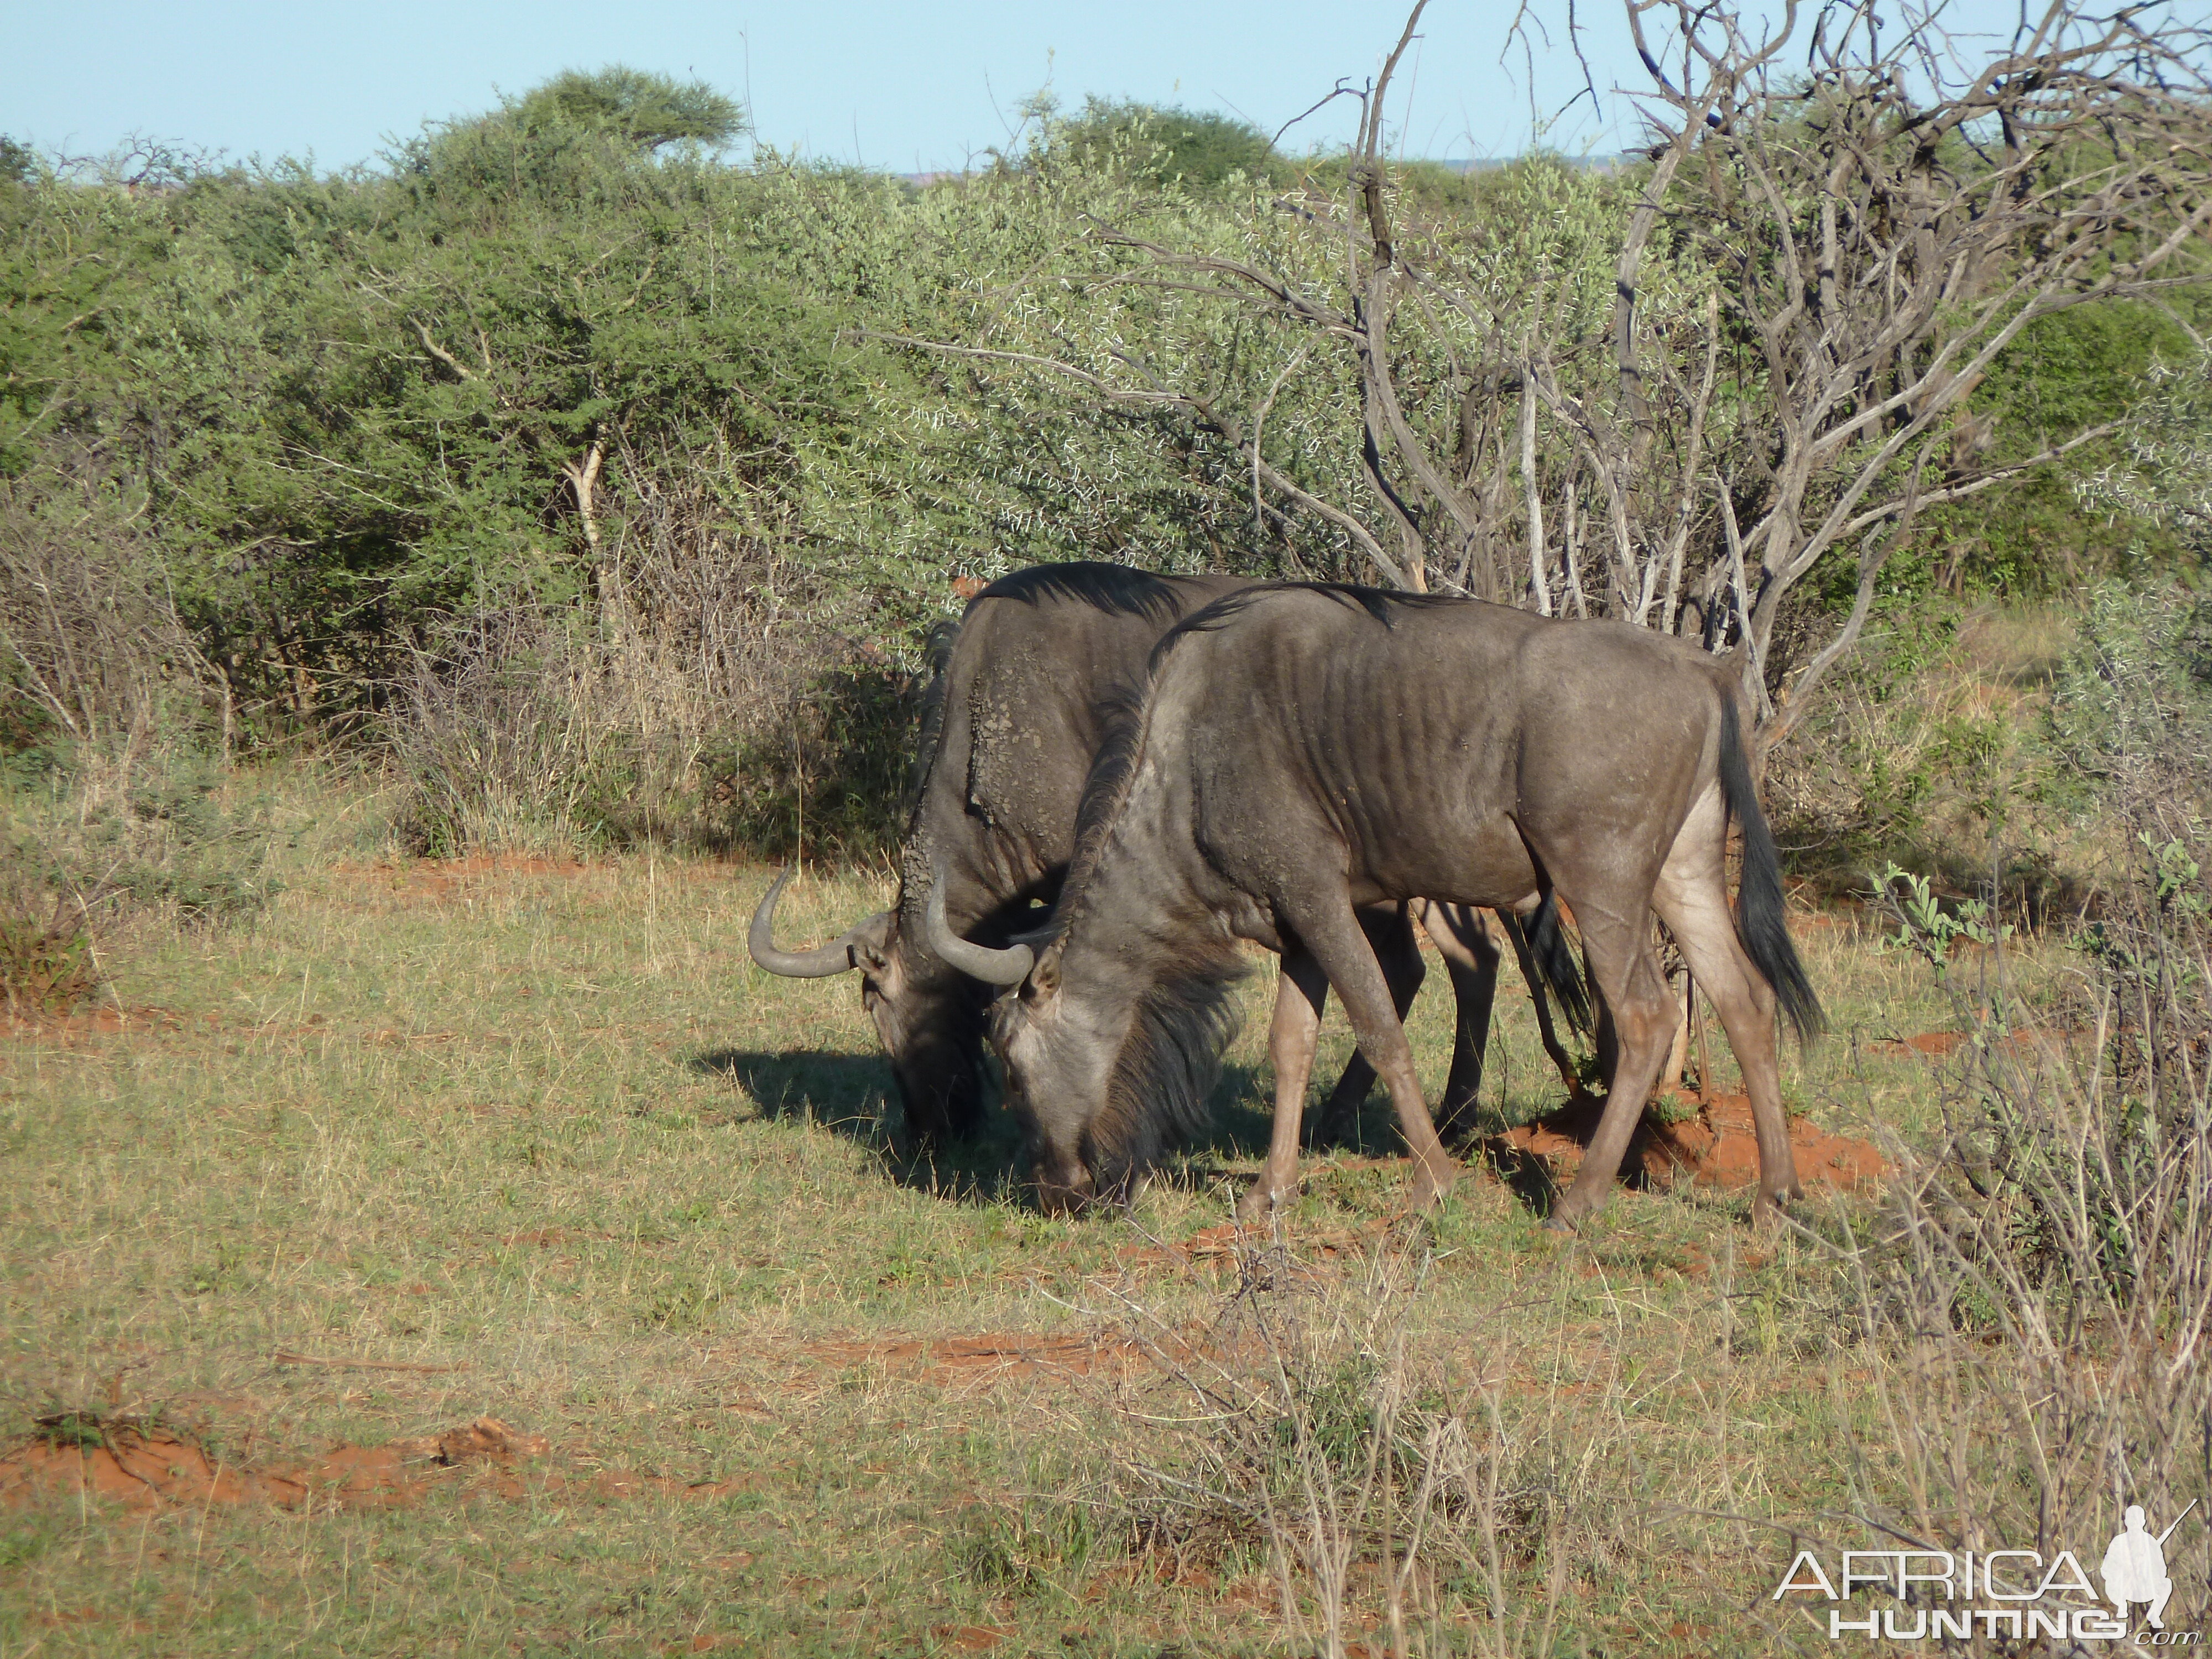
point(1393, 812)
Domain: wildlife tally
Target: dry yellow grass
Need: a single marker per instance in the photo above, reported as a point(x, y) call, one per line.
point(540, 1130)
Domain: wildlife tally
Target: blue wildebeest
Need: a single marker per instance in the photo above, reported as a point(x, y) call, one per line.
point(1302, 751)
point(1017, 710)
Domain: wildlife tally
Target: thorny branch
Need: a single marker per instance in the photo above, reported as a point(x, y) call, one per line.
point(1813, 271)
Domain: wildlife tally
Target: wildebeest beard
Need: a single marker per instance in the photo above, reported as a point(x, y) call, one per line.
point(1164, 1000)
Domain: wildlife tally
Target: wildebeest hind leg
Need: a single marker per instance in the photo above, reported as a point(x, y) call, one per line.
point(1693, 901)
point(1303, 990)
point(1547, 1027)
point(1331, 934)
point(1389, 932)
point(1626, 969)
point(1464, 938)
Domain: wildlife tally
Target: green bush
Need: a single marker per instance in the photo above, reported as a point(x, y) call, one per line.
point(562, 358)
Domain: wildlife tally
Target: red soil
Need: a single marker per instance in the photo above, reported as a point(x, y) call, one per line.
point(1715, 1148)
point(969, 1358)
point(2045, 1039)
point(145, 1466)
point(973, 1639)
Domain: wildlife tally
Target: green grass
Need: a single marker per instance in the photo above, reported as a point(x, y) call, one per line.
point(546, 1124)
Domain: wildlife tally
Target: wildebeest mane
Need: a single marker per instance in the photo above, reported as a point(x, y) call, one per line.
point(1163, 1074)
point(1116, 589)
point(1163, 1079)
point(943, 637)
point(1380, 603)
point(1105, 788)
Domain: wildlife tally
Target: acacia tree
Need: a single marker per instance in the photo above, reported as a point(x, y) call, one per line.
point(1836, 226)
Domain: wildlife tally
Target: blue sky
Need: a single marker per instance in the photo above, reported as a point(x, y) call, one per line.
point(904, 87)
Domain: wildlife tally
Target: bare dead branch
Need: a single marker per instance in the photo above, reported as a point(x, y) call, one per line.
point(459, 368)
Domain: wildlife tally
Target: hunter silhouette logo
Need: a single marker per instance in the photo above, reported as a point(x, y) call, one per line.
point(2135, 1565)
point(2025, 1595)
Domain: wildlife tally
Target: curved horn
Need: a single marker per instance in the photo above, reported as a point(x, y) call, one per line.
point(1008, 967)
point(823, 960)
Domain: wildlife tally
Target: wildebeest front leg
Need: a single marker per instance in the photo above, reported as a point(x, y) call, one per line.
point(1618, 947)
point(1331, 935)
point(1389, 932)
point(1291, 1041)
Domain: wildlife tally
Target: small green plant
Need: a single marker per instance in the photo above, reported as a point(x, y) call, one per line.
point(1035, 1544)
point(684, 1304)
point(2176, 877)
point(45, 966)
point(1673, 1109)
point(83, 1430)
point(1925, 927)
point(2174, 881)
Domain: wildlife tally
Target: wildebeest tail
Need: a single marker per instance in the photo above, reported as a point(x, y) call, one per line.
point(1761, 913)
point(1555, 962)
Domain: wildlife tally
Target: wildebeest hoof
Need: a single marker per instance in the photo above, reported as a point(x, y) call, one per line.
point(1255, 1206)
point(1428, 1194)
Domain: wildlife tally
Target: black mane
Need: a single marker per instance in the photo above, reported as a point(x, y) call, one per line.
point(1122, 745)
point(1377, 602)
point(1115, 589)
point(938, 649)
point(1160, 1094)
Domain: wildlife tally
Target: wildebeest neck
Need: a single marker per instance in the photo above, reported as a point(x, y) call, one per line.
point(1119, 1058)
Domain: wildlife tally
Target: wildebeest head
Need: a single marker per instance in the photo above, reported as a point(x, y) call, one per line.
point(1110, 1051)
point(927, 1015)
point(1047, 1063)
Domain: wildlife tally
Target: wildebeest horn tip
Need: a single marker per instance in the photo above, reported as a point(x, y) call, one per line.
point(834, 957)
point(1008, 967)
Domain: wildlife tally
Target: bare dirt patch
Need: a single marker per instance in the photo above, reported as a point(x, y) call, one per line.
point(1935, 1045)
point(78, 1025)
point(1717, 1147)
point(975, 1360)
point(973, 1638)
point(147, 1464)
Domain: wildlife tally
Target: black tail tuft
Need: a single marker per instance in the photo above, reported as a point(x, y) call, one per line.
point(1761, 913)
point(1555, 962)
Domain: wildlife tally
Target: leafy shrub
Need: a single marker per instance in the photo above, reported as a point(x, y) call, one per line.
point(2049, 1265)
point(2135, 693)
point(1923, 750)
point(45, 962)
point(1197, 149)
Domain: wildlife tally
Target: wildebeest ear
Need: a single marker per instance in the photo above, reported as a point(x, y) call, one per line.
point(1044, 978)
point(871, 941)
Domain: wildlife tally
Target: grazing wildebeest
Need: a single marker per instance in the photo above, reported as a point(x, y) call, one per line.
point(1016, 712)
point(1303, 751)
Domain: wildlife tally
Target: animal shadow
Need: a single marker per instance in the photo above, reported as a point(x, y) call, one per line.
point(852, 1095)
point(847, 1095)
